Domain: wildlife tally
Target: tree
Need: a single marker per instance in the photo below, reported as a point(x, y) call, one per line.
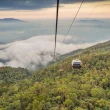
point(69, 104)
point(101, 103)
point(97, 92)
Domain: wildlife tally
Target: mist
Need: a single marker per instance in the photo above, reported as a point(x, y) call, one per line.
point(36, 52)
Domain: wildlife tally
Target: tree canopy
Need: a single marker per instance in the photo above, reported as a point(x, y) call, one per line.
point(58, 86)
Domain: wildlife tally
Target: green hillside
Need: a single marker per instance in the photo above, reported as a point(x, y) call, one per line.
point(59, 87)
point(11, 75)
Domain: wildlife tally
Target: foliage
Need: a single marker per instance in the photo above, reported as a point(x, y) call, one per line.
point(58, 86)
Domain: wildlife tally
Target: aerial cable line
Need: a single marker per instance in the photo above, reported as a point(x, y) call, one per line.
point(56, 28)
point(74, 19)
point(89, 14)
point(72, 22)
point(87, 17)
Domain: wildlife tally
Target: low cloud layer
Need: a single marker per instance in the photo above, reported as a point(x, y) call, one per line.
point(36, 51)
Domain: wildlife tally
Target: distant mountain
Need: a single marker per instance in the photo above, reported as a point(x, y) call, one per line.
point(92, 21)
point(11, 20)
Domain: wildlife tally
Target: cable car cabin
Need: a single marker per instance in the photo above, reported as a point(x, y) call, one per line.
point(76, 64)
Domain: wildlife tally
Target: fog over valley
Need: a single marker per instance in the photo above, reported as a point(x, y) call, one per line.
point(35, 52)
point(31, 44)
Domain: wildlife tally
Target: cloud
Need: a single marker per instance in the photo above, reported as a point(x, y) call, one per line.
point(34, 4)
point(20, 32)
point(35, 52)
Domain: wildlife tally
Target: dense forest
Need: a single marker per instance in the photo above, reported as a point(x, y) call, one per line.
point(58, 86)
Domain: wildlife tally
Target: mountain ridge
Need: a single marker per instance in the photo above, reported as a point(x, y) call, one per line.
point(92, 21)
point(11, 20)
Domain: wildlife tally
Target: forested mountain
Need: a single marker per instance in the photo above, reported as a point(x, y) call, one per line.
point(58, 86)
point(12, 75)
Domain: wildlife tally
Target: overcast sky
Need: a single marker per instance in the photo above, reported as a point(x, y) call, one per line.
point(45, 9)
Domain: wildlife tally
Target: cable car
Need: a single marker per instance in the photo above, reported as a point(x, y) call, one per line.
point(76, 64)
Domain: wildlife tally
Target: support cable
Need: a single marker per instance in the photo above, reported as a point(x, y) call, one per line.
point(56, 29)
point(72, 22)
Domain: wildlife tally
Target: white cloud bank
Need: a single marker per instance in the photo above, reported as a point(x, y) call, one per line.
point(36, 51)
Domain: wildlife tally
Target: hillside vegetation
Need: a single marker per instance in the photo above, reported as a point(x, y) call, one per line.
point(58, 86)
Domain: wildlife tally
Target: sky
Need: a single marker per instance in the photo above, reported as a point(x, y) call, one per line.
point(31, 44)
point(46, 9)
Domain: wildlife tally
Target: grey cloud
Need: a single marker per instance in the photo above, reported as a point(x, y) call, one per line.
point(34, 4)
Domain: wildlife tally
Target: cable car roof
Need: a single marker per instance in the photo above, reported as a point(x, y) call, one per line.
point(76, 60)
